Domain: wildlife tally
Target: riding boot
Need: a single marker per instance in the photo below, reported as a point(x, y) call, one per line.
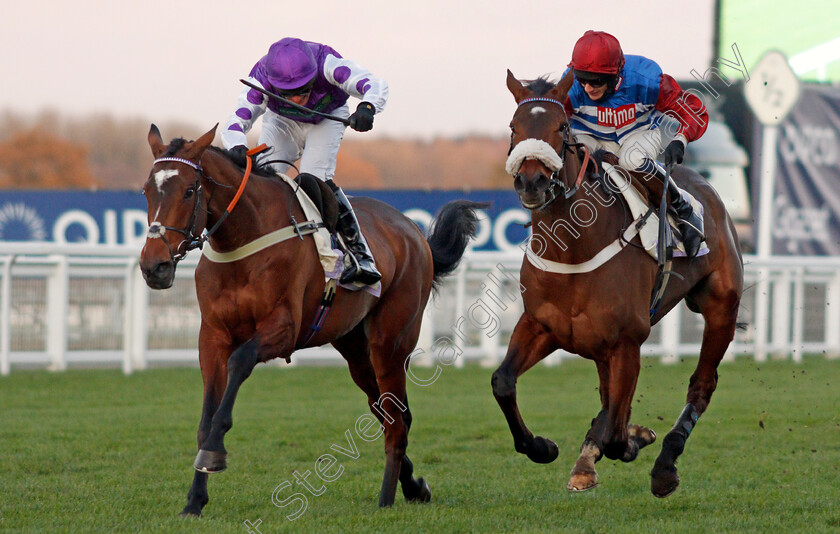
point(362, 268)
point(689, 222)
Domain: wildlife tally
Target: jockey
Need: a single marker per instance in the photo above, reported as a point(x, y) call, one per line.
point(620, 103)
point(317, 77)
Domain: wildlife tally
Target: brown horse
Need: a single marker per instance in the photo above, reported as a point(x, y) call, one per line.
point(602, 312)
point(261, 307)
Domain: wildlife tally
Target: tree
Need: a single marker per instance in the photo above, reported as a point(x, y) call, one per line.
point(36, 159)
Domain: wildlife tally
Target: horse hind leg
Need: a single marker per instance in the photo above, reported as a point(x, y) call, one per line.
point(414, 490)
point(356, 350)
point(720, 314)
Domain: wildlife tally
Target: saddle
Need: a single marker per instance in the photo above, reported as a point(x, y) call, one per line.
point(643, 199)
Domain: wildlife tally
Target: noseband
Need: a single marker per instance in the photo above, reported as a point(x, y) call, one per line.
point(157, 230)
point(557, 187)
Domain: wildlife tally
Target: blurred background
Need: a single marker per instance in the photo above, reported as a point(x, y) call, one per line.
point(83, 82)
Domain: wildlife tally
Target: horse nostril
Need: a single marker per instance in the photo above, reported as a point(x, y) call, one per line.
point(541, 183)
point(518, 182)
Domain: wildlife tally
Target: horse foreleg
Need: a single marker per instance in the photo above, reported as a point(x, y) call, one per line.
point(212, 456)
point(529, 344)
point(214, 380)
point(610, 431)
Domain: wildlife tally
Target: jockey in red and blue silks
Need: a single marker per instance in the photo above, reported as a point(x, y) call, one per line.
point(317, 77)
point(623, 105)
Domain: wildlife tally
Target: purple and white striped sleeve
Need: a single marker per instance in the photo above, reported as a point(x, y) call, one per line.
point(250, 106)
point(356, 81)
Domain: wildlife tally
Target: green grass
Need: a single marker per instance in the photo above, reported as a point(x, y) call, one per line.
point(96, 451)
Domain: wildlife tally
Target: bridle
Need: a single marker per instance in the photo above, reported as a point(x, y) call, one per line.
point(191, 241)
point(558, 187)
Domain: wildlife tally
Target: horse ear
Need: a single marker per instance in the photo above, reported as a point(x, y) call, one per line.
point(515, 87)
point(561, 90)
point(195, 149)
point(155, 142)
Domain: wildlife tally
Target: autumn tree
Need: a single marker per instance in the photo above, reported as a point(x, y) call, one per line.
point(36, 159)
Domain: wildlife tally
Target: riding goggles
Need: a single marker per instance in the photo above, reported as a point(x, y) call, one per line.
point(304, 89)
point(591, 79)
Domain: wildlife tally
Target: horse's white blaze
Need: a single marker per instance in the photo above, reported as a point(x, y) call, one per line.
point(162, 176)
point(536, 110)
point(533, 149)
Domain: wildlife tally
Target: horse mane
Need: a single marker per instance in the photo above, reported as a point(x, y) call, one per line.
point(258, 167)
point(262, 169)
point(540, 86)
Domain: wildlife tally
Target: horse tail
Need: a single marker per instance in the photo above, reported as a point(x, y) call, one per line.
point(450, 233)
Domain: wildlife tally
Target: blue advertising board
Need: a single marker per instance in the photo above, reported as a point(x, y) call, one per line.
point(119, 217)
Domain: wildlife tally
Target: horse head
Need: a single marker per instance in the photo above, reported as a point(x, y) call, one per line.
point(177, 210)
point(539, 137)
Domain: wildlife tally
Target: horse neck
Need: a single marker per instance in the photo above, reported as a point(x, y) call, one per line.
point(261, 208)
point(574, 229)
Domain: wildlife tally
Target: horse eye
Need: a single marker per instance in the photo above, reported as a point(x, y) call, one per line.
point(189, 192)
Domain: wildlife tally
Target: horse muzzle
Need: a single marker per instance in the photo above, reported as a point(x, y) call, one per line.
point(157, 264)
point(533, 187)
point(159, 275)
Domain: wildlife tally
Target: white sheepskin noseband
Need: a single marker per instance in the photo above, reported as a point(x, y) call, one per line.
point(533, 149)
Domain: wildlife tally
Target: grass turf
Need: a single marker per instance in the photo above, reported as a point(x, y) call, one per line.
point(96, 451)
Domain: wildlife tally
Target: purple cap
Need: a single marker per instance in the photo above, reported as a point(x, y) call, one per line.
point(290, 64)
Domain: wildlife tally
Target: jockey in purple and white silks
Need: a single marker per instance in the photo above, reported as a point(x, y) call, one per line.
point(315, 76)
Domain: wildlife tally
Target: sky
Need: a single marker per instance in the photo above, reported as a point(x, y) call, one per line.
point(445, 61)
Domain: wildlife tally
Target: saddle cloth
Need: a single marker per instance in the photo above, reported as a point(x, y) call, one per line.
point(332, 258)
point(649, 232)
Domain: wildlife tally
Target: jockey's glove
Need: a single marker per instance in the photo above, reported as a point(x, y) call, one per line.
point(674, 153)
point(362, 119)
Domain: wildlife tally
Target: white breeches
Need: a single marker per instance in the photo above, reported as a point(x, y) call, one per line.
point(316, 145)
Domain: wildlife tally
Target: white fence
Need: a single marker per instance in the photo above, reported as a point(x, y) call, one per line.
point(74, 305)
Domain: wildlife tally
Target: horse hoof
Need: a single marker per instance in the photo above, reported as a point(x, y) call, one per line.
point(210, 461)
point(582, 482)
point(424, 494)
point(664, 483)
point(642, 435)
point(542, 450)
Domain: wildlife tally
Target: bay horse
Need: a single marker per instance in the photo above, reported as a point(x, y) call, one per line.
point(259, 307)
point(601, 310)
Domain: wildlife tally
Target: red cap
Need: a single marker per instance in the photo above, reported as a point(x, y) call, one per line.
point(597, 52)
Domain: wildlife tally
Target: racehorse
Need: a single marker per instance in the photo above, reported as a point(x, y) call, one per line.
point(600, 308)
point(259, 307)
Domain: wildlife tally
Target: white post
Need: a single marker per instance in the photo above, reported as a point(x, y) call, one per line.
point(135, 318)
point(460, 308)
point(780, 335)
point(767, 195)
point(426, 339)
point(5, 317)
point(798, 314)
point(58, 294)
point(670, 341)
point(832, 317)
point(490, 341)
